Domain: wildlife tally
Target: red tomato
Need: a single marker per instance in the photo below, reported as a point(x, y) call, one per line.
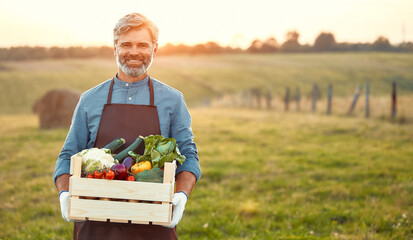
point(110, 175)
point(131, 178)
point(89, 175)
point(97, 174)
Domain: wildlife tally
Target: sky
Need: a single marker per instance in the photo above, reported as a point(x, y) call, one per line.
point(234, 23)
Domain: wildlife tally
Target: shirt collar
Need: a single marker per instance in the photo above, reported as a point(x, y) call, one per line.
point(124, 84)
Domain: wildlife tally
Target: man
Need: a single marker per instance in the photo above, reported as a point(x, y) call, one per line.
point(129, 105)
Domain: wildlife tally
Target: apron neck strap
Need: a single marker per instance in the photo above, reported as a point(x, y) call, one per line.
point(151, 100)
point(151, 94)
point(110, 91)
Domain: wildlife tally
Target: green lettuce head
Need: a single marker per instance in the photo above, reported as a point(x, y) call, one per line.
point(160, 150)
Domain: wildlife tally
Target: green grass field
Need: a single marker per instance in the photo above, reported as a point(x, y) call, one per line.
point(266, 174)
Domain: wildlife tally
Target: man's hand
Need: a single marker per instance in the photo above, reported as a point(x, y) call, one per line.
point(62, 185)
point(178, 201)
point(64, 197)
point(185, 182)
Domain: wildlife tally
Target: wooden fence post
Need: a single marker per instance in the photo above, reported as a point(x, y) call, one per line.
point(250, 98)
point(367, 100)
point(330, 95)
point(256, 94)
point(356, 96)
point(297, 98)
point(287, 98)
point(394, 101)
point(268, 97)
point(244, 98)
point(314, 95)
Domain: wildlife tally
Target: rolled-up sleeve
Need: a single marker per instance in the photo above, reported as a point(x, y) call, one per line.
point(181, 130)
point(76, 140)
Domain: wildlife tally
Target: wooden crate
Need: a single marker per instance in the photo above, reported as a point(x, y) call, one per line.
point(120, 201)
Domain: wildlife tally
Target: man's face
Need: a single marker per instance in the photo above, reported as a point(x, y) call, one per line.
point(134, 52)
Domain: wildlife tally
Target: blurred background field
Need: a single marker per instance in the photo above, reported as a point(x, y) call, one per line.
point(267, 174)
point(220, 79)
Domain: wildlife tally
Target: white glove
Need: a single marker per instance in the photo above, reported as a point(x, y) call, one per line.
point(178, 201)
point(64, 197)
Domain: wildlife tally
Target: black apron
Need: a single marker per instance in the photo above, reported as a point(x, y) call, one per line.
point(127, 121)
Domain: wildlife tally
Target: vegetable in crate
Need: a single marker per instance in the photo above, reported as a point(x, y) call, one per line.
point(115, 145)
point(96, 159)
point(141, 166)
point(128, 162)
point(133, 147)
point(160, 150)
point(120, 170)
point(153, 175)
point(109, 175)
point(97, 174)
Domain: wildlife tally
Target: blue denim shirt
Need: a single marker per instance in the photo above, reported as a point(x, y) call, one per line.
point(174, 120)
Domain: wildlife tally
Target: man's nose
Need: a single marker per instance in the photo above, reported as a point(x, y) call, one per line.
point(134, 51)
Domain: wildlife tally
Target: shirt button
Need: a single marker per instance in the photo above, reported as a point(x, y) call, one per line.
point(127, 84)
point(130, 98)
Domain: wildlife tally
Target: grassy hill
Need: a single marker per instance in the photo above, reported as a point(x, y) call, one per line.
point(208, 76)
point(265, 176)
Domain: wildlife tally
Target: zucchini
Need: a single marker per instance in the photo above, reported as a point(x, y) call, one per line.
point(115, 145)
point(133, 147)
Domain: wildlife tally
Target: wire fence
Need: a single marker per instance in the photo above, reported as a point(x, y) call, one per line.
point(360, 104)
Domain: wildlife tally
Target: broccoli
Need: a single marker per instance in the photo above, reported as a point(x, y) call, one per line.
point(153, 175)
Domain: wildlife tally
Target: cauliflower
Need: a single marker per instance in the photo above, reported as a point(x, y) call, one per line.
point(96, 159)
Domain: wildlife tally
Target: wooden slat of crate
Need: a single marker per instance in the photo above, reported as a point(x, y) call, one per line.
point(89, 187)
point(75, 166)
point(119, 211)
point(169, 217)
point(169, 177)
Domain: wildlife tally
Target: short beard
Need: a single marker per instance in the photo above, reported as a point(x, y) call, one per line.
point(131, 71)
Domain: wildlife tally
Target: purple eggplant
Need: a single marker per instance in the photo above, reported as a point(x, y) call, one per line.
point(129, 162)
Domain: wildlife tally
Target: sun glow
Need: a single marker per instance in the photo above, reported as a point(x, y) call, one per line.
point(234, 23)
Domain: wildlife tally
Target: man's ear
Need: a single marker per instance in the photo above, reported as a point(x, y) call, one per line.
point(114, 49)
point(155, 49)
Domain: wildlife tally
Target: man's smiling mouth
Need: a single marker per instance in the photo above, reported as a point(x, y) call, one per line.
point(134, 61)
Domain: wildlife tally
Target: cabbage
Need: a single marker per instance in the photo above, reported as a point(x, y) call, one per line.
point(96, 159)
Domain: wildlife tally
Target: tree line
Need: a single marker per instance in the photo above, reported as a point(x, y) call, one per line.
point(324, 42)
point(33, 53)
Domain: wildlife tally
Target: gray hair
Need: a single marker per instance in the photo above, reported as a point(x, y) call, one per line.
point(135, 21)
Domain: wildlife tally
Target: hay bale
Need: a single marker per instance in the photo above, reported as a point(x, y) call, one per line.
point(56, 107)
